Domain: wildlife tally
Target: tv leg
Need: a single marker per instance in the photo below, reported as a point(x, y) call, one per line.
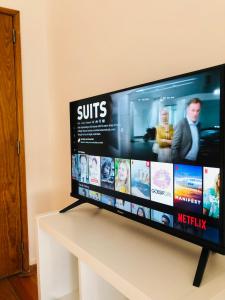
point(201, 267)
point(75, 204)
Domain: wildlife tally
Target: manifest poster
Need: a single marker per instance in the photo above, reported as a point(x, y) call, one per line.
point(188, 188)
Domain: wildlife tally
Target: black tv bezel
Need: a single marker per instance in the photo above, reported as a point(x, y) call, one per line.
point(219, 248)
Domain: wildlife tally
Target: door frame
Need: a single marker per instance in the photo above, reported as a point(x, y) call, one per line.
point(22, 168)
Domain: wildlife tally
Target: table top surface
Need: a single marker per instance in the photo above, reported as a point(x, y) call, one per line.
point(142, 262)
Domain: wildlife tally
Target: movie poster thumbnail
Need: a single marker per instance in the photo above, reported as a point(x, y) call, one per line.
point(140, 178)
point(75, 171)
point(123, 205)
point(94, 170)
point(83, 168)
point(83, 191)
point(162, 183)
point(162, 218)
point(108, 200)
point(94, 195)
point(140, 211)
point(122, 175)
point(211, 192)
point(188, 188)
point(107, 173)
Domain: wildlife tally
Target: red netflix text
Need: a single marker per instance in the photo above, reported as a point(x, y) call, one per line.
point(196, 222)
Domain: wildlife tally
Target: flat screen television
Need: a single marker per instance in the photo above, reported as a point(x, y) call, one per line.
point(154, 153)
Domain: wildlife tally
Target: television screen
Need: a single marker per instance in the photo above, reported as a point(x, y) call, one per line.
point(155, 153)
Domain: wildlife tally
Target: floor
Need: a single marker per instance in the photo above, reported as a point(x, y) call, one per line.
point(20, 287)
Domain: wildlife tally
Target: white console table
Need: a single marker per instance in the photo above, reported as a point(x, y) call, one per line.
point(93, 254)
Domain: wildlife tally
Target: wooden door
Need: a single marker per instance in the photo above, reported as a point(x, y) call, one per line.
point(11, 230)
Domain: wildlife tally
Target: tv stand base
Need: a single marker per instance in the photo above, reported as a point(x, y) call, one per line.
point(201, 267)
point(74, 204)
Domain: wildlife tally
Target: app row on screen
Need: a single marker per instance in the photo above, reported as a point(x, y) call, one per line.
point(181, 222)
point(192, 188)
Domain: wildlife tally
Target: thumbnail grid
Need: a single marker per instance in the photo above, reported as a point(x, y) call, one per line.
point(181, 222)
point(193, 189)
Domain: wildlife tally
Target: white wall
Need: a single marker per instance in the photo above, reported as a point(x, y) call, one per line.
point(75, 49)
point(103, 45)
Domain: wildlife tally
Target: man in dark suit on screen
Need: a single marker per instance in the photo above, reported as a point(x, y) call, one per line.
point(186, 139)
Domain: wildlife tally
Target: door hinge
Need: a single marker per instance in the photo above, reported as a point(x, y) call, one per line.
point(14, 35)
point(18, 147)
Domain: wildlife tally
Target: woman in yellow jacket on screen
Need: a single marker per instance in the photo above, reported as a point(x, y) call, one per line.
point(164, 136)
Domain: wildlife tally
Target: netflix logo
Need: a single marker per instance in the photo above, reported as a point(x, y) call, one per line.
point(196, 222)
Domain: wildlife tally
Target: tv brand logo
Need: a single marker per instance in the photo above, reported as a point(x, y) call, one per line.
point(196, 222)
point(92, 111)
